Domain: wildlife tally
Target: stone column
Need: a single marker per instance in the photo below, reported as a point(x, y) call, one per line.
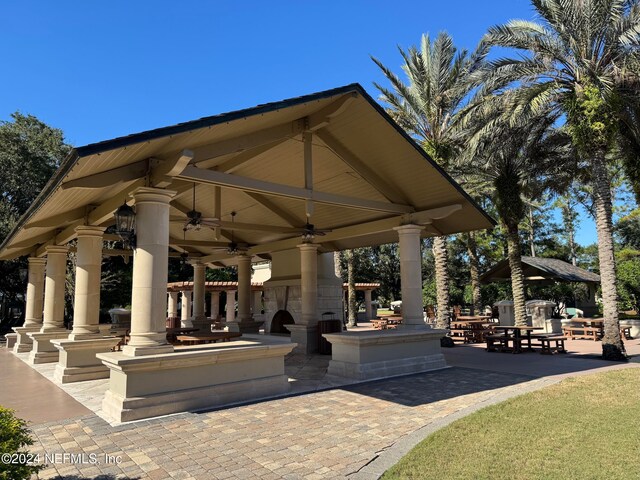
point(411, 276)
point(185, 311)
point(43, 350)
point(33, 307)
point(86, 307)
point(77, 355)
point(215, 305)
point(199, 319)
point(172, 305)
point(150, 271)
point(245, 322)
point(256, 304)
point(231, 306)
point(305, 331)
point(367, 305)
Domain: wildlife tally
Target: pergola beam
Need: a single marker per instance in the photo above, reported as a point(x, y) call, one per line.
point(284, 214)
point(126, 173)
point(253, 185)
point(242, 158)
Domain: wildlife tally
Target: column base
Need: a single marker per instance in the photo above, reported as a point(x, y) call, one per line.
point(201, 323)
point(372, 355)
point(214, 376)
point(244, 327)
point(43, 350)
point(23, 342)
point(11, 339)
point(305, 336)
point(78, 361)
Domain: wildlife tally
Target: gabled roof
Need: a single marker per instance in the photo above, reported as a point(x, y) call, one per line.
point(538, 269)
point(368, 176)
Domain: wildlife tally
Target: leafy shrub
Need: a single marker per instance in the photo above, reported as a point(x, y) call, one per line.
point(14, 436)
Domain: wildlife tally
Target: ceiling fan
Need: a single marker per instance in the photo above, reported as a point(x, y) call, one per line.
point(234, 248)
point(195, 220)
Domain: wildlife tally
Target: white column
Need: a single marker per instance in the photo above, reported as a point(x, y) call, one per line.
point(309, 283)
point(86, 306)
point(185, 311)
point(150, 272)
point(244, 288)
point(411, 275)
point(56, 277)
point(198, 289)
point(35, 292)
point(367, 305)
point(172, 305)
point(215, 305)
point(231, 306)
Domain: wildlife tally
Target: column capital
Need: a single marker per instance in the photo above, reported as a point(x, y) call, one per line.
point(153, 195)
point(89, 231)
point(57, 249)
point(409, 229)
point(36, 261)
point(307, 247)
point(195, 262)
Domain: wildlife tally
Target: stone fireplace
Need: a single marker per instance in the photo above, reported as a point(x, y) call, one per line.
point(282, 290)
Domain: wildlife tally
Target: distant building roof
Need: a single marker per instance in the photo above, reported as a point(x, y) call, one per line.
point(538, 269)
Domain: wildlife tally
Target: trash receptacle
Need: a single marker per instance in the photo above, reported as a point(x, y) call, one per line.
point(327, 326)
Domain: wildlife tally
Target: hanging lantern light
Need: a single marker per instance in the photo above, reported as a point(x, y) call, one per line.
point(125, 225)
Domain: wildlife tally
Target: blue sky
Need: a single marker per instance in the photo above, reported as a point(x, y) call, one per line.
point(99, 70)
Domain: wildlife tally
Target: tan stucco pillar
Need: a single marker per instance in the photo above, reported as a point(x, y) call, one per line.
point(231, 306)
point(150, 271)
point(256, 302)
point(198, 289)
point(411, 275)
point(367, 305)
point(33, 307)
point(215, 305)
point(86, 306)
point(172, 305)
point(244, 288)
point(309, 283)
point(54, 289)
point(185, 310)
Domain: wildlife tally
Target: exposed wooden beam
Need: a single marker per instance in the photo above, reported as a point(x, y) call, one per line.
point(322, 118)
point(10, 254)
point(126, 173)
point(196, 243)
point(30, 242)
point(60, 219)
point(162, 175)
point(284, 214)
point(389, 191)
point(269, 188)
point(242, 158)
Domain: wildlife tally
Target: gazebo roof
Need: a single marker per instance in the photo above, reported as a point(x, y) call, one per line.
point(334, 155)
point(538, 269)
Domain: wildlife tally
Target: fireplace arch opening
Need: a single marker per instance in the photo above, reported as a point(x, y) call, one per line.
point(280, 319)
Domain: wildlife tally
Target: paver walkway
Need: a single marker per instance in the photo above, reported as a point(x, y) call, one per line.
point(353, 432)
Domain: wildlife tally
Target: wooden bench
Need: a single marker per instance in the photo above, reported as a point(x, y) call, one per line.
point(502, 339)
point(545, 343)
point(625, 333)
point(592, 333)
point(463, 335)
point(208, 338)
point(379, 324)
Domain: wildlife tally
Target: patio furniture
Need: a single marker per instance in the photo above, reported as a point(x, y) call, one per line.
point(379, 324)
point(516, 335)
point(208, 338)
point(173, 332)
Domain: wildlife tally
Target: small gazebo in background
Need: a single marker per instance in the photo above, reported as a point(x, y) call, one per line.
point(545, 271)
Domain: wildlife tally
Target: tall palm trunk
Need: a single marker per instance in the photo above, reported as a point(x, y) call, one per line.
point(612, 346)
point(336, 264)
point(474, 272)
point(352, 319)
point(517, 277)
point(442, 281)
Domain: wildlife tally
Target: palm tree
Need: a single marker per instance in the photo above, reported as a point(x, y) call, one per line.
point(439, 83)
point(514, 164)
point(568, 65)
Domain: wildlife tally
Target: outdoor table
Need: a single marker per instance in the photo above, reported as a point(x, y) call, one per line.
point(208, 338)
point(517, 335)
point(472, 318)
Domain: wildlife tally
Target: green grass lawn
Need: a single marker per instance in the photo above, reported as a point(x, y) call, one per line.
point(582, 428)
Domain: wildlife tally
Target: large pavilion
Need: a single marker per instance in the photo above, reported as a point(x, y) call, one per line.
point(290, 182)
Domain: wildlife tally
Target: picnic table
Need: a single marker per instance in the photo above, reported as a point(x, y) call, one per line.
point(516, 335)
point(590, 328)
point(207, 338)
point(471, 328)
point(172, 333)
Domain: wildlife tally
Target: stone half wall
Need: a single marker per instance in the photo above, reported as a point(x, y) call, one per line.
point(282, 290)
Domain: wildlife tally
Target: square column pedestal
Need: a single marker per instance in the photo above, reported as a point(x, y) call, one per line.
point(78, 361)
point(23, 340)
point(370, 355)
point(195, 378)
point(43, 350)
point(305, 336)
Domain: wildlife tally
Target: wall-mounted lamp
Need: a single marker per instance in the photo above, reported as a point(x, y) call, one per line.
point(125, 225)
